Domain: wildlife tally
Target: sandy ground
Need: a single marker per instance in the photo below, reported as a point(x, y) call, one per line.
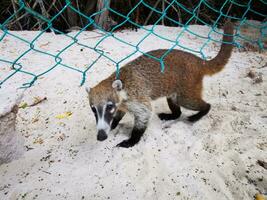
point(215, 158)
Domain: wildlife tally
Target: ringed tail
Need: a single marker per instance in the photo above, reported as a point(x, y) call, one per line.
point(216, 64)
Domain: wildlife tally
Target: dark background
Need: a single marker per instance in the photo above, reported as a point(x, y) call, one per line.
point(176, 15)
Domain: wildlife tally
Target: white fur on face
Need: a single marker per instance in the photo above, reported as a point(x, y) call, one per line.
point(112, 111)
point(101, 123)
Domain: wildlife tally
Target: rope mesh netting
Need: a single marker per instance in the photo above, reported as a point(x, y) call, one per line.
point(16, 67)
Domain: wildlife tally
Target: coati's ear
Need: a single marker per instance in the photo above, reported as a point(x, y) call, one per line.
point(87, 89)
point(117, 85)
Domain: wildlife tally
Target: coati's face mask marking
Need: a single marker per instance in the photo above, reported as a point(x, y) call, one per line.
point(104, 114)
point(104, 109)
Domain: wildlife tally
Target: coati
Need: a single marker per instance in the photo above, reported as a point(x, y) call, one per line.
point(142, 81)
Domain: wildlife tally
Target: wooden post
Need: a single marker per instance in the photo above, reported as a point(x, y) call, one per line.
point(103, 20)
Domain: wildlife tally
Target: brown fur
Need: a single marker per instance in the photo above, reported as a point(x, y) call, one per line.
point(142, 78)
point(143, 81)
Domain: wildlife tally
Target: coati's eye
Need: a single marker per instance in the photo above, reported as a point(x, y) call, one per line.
point(109, 106)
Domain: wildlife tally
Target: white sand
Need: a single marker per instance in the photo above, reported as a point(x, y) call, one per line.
point(215, 158)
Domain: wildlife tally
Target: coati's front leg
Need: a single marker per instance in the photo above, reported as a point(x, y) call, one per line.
point(118, 116)
point(142, 113)
point(174, 107)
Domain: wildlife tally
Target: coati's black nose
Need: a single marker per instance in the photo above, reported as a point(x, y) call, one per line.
point(101, 135)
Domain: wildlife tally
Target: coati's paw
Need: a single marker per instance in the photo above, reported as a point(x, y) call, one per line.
point(165, 116)
point(199, 115)
point(125, 144)
point(192, 119)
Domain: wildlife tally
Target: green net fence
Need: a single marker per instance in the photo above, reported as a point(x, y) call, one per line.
point(90, 22)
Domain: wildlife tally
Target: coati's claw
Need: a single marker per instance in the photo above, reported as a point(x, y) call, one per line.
point(125, 144)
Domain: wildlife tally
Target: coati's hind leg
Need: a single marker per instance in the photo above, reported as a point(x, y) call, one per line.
point(142, 113)
point(174, 107)
point(118, 116)
point(197, 105)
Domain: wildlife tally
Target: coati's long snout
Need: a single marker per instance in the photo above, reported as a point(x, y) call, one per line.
point(142, 81)
point(101, 135)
